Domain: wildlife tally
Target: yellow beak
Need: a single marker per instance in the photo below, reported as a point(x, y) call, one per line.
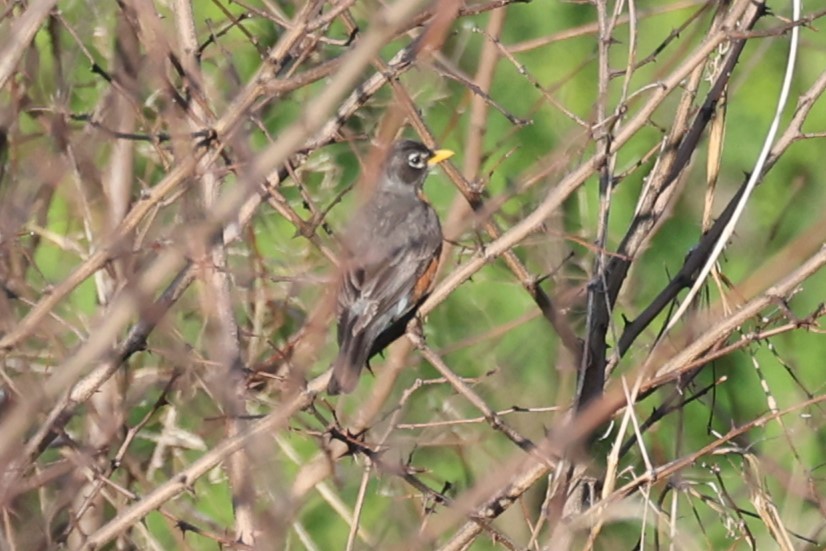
point(440, 155)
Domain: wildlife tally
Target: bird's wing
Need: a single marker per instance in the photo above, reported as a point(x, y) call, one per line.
point(379, 291)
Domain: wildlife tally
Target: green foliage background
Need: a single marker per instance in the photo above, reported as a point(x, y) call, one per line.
point(489, 329)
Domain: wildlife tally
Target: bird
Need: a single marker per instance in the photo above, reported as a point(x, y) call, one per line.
point(390, 256)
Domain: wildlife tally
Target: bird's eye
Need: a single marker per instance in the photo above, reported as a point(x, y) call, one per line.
point(416, 160)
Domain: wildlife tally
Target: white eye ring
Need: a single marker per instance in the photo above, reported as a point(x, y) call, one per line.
point(416, 160)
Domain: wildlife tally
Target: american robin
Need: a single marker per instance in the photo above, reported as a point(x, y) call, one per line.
point(391, 255)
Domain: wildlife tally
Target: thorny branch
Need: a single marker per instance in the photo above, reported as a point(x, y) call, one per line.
point(168, 229)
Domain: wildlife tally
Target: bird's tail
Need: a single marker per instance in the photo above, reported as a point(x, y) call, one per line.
point(352, 356)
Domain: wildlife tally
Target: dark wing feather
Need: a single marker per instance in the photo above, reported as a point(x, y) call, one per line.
point(380, 293)
point(377, 285)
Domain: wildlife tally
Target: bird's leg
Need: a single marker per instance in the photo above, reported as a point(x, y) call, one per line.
point(416, 326)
